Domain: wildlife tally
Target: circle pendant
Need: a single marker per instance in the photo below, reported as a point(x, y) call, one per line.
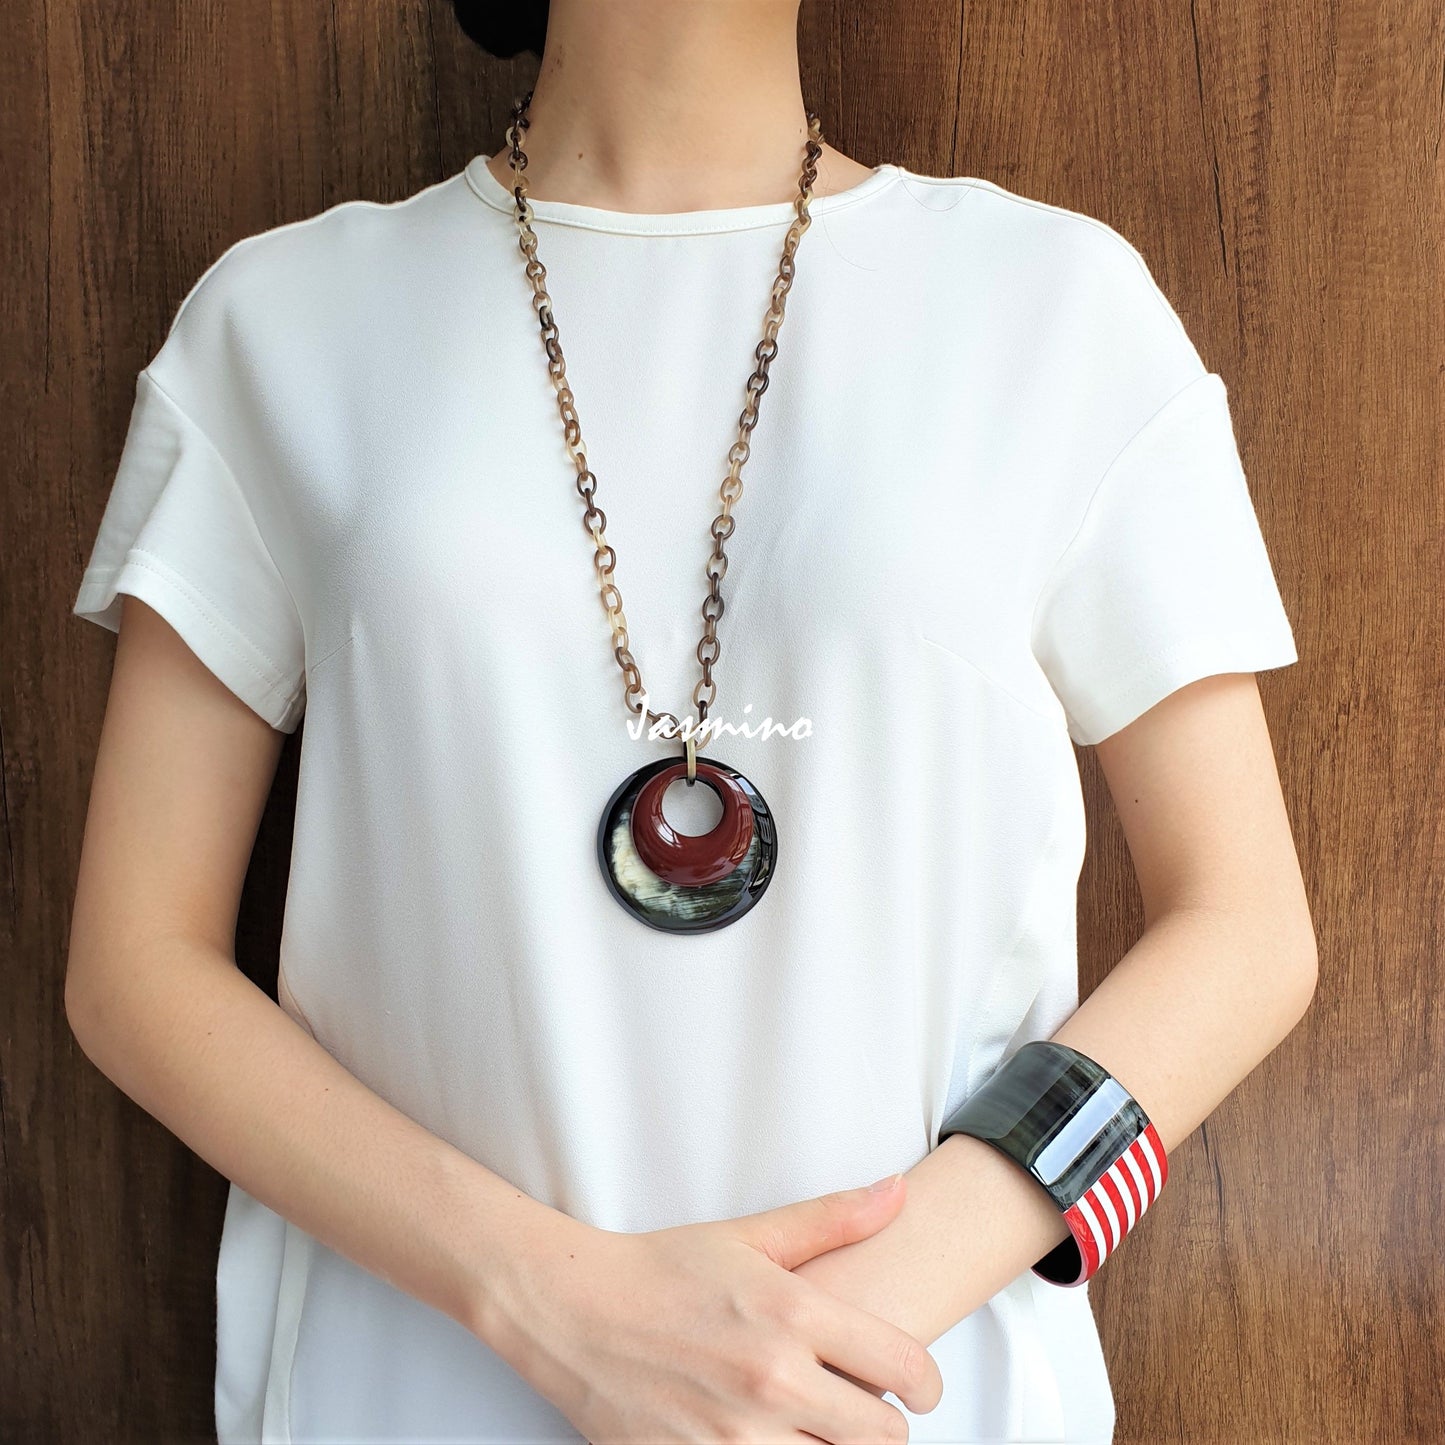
point(679, 882)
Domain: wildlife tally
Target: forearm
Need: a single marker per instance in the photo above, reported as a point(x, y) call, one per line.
point(1189, 1012)
point(187, 1036)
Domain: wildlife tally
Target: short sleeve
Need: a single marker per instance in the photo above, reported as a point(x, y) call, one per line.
point(1167, 578)
point(180, 531)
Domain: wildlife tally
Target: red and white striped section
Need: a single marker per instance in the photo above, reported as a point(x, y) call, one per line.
point(1116, 1201)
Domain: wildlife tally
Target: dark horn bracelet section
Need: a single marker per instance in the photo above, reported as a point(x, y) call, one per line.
point(1073, 1127)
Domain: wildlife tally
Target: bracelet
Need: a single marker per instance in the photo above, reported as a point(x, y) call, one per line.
point(1073, 1127)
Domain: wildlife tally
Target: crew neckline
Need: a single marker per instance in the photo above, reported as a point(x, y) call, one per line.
point(673, 223)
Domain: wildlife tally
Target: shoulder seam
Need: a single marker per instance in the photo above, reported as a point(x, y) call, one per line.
point(1083, 217)
point(1051, 577)
point(201, 432)
point(299, 223)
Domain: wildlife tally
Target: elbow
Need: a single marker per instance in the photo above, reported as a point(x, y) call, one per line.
point(1304, 975)
point(92, 1023)
point(83, 1012)
point(77, 1007)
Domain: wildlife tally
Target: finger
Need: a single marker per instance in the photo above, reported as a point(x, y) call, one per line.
point(838, 1411)
point(796, 1232)
point(875, 1351)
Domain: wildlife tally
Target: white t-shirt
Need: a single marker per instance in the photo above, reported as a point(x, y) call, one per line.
point(993, 507)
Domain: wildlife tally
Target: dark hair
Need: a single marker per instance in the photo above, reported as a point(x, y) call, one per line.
point(506, 29)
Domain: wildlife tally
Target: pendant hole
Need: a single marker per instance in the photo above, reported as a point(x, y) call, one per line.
point(693, 811)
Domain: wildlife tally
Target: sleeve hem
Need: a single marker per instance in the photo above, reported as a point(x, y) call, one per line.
point(244, 668)
point(1166, 674)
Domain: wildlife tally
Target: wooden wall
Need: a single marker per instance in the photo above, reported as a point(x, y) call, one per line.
point(1279, 166)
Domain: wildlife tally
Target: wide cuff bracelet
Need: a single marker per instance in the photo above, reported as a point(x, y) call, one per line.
point(1072, 1126)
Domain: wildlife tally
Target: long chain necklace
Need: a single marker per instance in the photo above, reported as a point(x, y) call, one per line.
point(680, 883)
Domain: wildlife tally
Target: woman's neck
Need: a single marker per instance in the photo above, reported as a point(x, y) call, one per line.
point(656, 106)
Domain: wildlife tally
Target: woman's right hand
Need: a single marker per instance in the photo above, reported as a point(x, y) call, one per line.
point(700, 1332)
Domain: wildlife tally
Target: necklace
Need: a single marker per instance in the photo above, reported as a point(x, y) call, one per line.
point(679, 883)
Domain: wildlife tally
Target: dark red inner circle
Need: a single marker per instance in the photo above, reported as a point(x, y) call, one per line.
point(687, 859)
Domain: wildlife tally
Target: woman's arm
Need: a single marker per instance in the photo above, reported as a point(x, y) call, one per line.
point(1223, 972)
point(155, 999)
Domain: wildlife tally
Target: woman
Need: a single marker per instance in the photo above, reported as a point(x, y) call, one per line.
point(563, 1125)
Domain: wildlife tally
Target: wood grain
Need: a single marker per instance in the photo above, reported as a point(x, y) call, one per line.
point(1279, 167)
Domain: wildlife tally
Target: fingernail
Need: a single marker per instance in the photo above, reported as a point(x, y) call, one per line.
point(884, 1184)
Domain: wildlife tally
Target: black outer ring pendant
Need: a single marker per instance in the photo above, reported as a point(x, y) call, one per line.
point(674, 907)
